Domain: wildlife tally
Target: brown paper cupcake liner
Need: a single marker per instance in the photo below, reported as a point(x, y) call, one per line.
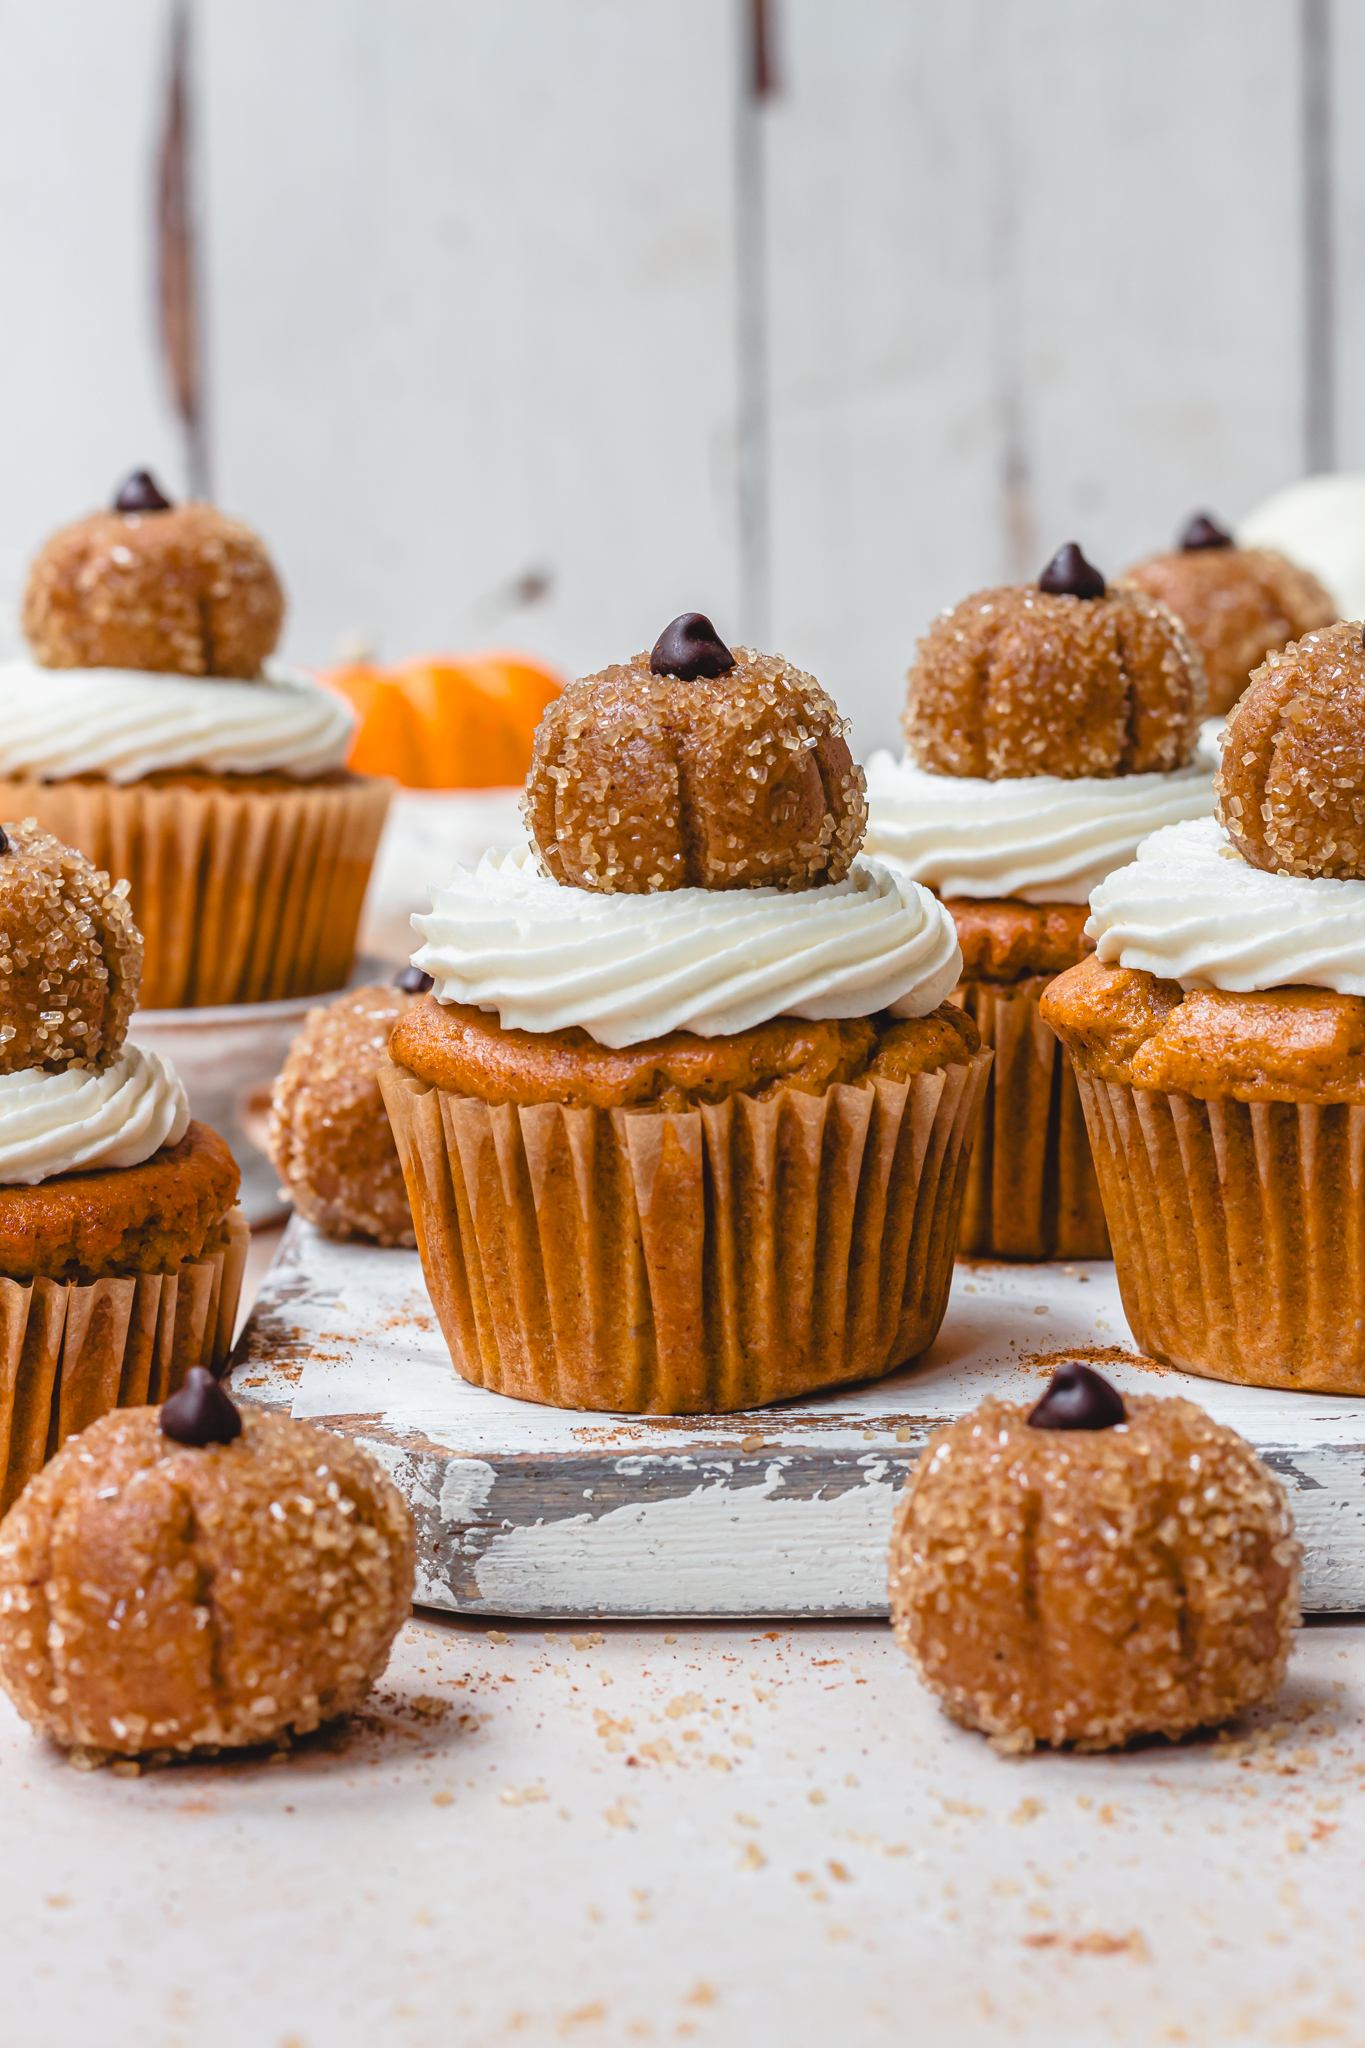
point(1238, 1232)
point(241, 895)
point(70, 1353)
point(1031, 1186)
point(681, 1263)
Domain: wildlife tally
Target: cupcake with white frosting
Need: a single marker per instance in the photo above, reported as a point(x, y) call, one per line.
point(685, 1118)
point(1218, 1035)
point(151, 728)
point(1049, 728)
point(121, 1250)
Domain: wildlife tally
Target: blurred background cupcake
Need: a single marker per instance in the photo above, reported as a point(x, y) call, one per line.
point(1049, 727)
point(1319, 522)
point(148, 727)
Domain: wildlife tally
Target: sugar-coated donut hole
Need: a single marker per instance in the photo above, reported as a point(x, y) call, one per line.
point(1019, 681)
point(70, 956)
point(330, 1140)
point(1291, 787)
point(1031, 1622)
point(642, 782)
point(268, 1576)
point(1238, 605)
point(186, 591)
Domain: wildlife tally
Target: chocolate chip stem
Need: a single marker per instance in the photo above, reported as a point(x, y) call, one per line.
point(688, 647)
point(1078, 1398)
point(1202, 532)
point(412, 981)
point(200, 1413)
point(140, 492)
point(1069, 574)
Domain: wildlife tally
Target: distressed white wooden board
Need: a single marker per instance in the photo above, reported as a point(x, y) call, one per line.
point(784, 1511)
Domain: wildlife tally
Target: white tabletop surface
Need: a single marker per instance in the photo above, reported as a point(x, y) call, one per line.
point(720, 1834)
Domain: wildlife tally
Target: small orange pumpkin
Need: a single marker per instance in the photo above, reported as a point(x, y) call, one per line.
point(447, 721)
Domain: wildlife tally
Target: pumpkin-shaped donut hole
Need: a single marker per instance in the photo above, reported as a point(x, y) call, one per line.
point(180, 589)
point(741, 780)
point(1027, 681)
point(1291, 788)
point(1238, 604)
point(70, 955)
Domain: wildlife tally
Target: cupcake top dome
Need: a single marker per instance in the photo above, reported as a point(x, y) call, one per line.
point(1067, 677)
point(1291, 789)
point(175, 589)
point(1239, 604)
point(70, 956)
point(695, 766)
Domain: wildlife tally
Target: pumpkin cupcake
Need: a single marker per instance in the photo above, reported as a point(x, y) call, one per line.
point(121, 1253)
point(685, 1118)
point(1219, 1039)
point(1049, 728)
point(1237, 604)
point(150, 728)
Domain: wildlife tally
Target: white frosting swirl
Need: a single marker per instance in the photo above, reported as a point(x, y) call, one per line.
point(1192, 910)
point(124, 723)
point(1040, 838)
point(72, 1121)
point(628, 968)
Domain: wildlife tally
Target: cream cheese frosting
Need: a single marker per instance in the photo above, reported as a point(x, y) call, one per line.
point(1038, 838)
point(81, 1118)
point(1192, 910)
point(124, 723)
point(627, 968)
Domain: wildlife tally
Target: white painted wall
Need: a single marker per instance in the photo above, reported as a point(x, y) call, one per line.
point(472, 308)
point(81, 394)
point(1035, 277)
point(1034, 271)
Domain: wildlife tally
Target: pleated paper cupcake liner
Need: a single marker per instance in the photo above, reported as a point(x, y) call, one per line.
point(1238, 1232)
point(241, 896)
point(683, 1263)
point(70, 1353)
point(1031, 1187)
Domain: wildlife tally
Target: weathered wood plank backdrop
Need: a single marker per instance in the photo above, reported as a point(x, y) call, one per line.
point(537, 320)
